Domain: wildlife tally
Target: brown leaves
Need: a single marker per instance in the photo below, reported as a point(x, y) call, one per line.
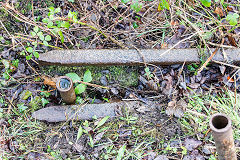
point(176, 108)
point(49, 81)
point(219, 11)
point(232, 40)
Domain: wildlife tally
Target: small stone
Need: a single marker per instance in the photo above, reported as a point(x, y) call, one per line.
point(161, 157)
point(93, 17)
point(151, 155)
point(104, 81)
point(191, 144)
point(205, 150)
point(114, 91)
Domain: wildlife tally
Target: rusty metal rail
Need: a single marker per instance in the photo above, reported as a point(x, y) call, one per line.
point(130, 57)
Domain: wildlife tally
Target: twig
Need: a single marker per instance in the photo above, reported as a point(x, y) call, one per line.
point(37, 42)
point(96, 29)
point(93, 85)
point(222, 46)
point(230, 65)
point(178, 43)
point(210, 58)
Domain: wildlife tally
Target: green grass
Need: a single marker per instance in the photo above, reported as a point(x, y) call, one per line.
point(201, 107)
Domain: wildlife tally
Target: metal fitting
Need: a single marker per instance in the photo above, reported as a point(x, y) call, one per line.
point(220, 125)
point(65, 87)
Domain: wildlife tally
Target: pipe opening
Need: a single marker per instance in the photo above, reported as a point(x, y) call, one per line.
point(64, 83)
point(219, 122)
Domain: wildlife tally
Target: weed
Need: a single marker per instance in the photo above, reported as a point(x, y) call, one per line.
point(206, 3)
point(200, 109)
point(135, 5)
point(232, 19)
point(80, 88)
point(89, 131)
point(163, 4)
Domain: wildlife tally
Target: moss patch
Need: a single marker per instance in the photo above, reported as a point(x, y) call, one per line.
point(124, 75)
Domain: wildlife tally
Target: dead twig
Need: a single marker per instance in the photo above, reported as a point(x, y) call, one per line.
point(93, 85)
point(210, 58)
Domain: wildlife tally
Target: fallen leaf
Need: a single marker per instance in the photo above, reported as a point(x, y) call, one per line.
point(153, 85)
point(164, 45)
point(230, 79)
point(191, 144)
point(98, 137)
point(142, 109)
point(222, 69)
point(78, 147)
point(49, 81)
point(232, 40)
point(229, 8)
point(174, 23)
point(176, 108)
point(194, 85)
point(219, 11)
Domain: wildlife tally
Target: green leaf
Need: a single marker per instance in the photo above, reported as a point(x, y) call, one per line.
point(48, 38)
point(33, 34)
point(65, 24)
point(21, 107)
point(71, 1)
point(75, 19)
point(51, 17)
point(121, 152)
point(34, 43)
point(15, 62)
point(80, 88)
point(206, 3)
point(91, 141)
point(136, 6)
point(207, 35)
point(70, 14)
point(135, 25)
point(75, 78)
point(80, 132)
point(232, 18)
point(163, 4)
point(45, 43)
point(87, 76)
point(39, 33)
point(36, 54)
point(100, 123)
point(44, 102)
point(61, 36)
point(5, 63)
point(26, 94)
point(45, 20)
point(29, 57)
point(5, 75)
point(51, 9)
point(22, 53)
point(125, 1)
point(1, 38)
point(29, 49)
point(57, 10)
point(50, 24)
point(36, 29)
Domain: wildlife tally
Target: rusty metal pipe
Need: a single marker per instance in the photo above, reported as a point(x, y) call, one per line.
point(220, 125)
point(65, 87)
